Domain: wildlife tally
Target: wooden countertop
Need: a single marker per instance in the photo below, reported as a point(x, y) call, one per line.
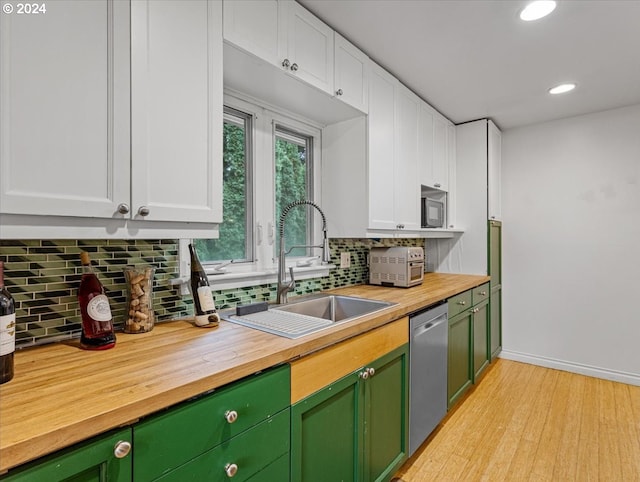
point(61, 394)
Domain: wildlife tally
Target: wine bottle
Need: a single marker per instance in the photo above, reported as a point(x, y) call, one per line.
point(7, 330)
point(203, 306)
point(97, 322)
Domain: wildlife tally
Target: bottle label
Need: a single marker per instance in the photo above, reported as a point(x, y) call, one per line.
point(7, 334)
point(206, 299)
point(98, 308)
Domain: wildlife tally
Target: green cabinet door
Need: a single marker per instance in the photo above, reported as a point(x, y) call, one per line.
point(495, 314)
point(495, 253)
point(386, 413)
point(481, 353)
point(325, 437)
point(459, 376)
point(92, 461)
point(356, 428)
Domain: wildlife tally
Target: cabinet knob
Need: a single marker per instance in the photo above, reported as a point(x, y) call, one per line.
point(462, 303)
point(364, 374)
point(123, 208)
point(294, 67)
point(339, 92)
point(286, 63)
point(121, 449)
point(230, 470)
point(231, 416)
point(372, 371)
point(475, 310)
point(437, 184)
point(143, 211)
point(483, 293)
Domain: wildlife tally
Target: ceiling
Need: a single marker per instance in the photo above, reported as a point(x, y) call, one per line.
point(475, 58)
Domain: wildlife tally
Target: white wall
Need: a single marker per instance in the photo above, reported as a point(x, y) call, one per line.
point(571, 244)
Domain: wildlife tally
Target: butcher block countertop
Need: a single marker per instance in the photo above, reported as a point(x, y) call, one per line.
point(61, 394)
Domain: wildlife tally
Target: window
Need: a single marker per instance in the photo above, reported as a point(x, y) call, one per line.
point(270, 160)
point(235, 232)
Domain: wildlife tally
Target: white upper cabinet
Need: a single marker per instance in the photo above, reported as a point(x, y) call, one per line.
point(351, 74)
point(64, 96)
point(253, 25)
point(382, 126)
point(112, 118)
point(495, 167)
point(434, 148)
point(176, 102)
point(307, 45)
point(407, 187)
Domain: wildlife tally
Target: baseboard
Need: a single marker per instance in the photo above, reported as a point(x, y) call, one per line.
point(615, 376)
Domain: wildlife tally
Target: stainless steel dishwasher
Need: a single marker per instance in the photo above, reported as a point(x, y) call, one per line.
point(427, 372)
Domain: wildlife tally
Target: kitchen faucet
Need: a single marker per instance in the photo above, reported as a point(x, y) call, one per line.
point(284, 288)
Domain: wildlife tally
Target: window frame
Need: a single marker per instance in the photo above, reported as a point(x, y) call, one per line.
point(263, 268)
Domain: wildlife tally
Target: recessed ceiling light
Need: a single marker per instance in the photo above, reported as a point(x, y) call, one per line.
point(537, 9)
point(562, 88)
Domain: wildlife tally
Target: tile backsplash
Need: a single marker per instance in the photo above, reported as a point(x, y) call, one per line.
point(43, 277)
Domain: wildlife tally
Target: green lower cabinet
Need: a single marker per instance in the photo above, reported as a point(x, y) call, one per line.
point(495, 309)
point(481, 354)
point(92, 461)
point(356, 428)
point(459, 367)
point(243, 457)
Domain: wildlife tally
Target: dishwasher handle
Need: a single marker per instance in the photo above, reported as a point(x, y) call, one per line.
point(419, 330)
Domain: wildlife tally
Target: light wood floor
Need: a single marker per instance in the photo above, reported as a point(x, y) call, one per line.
point(528, 423)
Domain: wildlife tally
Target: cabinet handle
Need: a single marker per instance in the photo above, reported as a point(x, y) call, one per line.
point(143, 211)
point(364, 374)
point(230, 470)
point(483, 293)
point(121, 449)
point(286, 63)
point(437, 184)
point(372, 371)
point(231, 416)
point(294, 67)
point(339, 92)
point(462, 303)
point(123, 208)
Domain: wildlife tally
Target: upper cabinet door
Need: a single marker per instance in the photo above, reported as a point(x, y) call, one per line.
point(253, 25)
point(64, 103)
point(433, 148)
point(381, 149)
point(176, 101)
point(351, 74)
point(309, 46)
point(495, 168)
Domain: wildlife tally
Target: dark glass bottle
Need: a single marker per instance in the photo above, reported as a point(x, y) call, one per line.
point(7, 330)
point(97, 322)
point(203, 306)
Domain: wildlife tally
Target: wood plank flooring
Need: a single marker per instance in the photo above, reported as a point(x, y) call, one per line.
point(527, 423)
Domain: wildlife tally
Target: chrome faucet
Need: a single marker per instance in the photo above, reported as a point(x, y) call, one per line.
point(283, 287)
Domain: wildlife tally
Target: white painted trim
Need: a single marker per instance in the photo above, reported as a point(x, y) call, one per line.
point(588, 370)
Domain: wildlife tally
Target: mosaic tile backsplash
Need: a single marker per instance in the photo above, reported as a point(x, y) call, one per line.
point(43, 277)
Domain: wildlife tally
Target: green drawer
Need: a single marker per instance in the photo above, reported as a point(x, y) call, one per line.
point(460, 302)
point(252, 452)
point(481, 293)
point(168, 440)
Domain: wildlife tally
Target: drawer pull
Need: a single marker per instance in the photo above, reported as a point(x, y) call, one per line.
point(483, 293)
point(230, 470)
point(231, 416)
point(372, 371)
point(475, 310)
point(364, 374)
point(462, 303)
point(121, 449)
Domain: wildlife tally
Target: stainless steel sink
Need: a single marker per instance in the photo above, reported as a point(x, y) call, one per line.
point(310, 315)
point(334, 308)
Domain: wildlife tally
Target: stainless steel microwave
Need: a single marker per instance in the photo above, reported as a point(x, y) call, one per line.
point(432, 213)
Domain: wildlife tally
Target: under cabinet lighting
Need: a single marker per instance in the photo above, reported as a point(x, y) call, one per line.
point(537, 9)
point(562, 88)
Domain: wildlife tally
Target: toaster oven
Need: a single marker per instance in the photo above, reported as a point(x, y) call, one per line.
point(396, 266)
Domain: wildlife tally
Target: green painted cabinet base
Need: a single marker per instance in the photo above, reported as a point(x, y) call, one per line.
point(91, 461)
point(356, 428)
